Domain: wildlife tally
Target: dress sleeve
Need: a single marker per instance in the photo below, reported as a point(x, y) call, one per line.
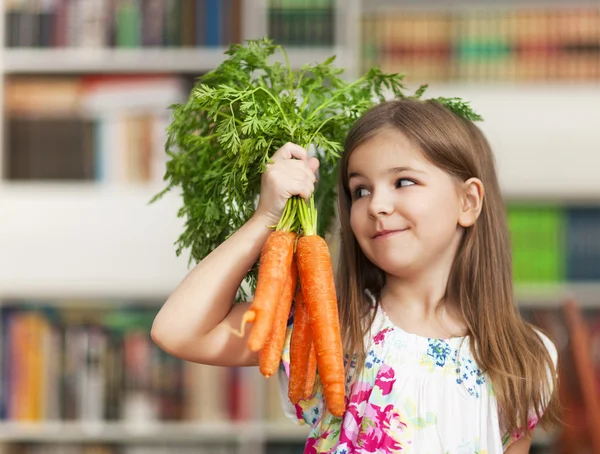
point(532, 420)
point(305, 411)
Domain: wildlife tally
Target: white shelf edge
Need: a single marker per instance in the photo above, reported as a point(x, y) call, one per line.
point(147, 279)
point(390, 6)
point(173, 432)
point(160, 60)
point(66, 60)
point(527, 296)
point(53, 190)
point(584, 196)
point(554, 295)
point(129, 241)
point(122, 432)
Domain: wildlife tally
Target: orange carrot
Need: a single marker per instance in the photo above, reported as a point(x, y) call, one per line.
point(273, 271)
point(318, 289)
point(299, 349)
point(270, 355)
point(311, 373)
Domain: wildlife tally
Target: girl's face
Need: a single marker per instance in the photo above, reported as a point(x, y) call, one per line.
point(405, 210)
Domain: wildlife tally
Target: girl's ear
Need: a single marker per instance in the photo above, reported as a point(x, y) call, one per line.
point(472, 193)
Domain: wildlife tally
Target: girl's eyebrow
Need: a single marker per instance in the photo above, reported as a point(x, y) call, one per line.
point(392, 170)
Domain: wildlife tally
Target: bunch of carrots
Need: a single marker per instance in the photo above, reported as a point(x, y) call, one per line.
point(295, 266)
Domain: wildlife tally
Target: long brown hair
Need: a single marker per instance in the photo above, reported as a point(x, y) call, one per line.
point(506, 347)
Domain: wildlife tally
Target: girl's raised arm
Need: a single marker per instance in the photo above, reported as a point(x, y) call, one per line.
point(197, 321)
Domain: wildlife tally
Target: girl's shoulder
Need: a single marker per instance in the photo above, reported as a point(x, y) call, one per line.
point(549, 344)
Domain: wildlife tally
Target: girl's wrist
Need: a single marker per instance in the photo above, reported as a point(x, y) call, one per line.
point(264, 220)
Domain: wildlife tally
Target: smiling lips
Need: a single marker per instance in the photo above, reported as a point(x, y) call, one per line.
point(382, 234)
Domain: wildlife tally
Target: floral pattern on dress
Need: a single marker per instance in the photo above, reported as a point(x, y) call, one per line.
point(409, 385)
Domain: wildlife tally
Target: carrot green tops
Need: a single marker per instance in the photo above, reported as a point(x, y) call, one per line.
point(415, 395)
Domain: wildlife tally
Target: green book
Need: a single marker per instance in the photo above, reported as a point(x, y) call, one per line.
point(128, 20)
point(538, 243)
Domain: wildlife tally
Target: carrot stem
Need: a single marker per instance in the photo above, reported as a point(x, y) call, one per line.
point(307, 215)
point(289, 219)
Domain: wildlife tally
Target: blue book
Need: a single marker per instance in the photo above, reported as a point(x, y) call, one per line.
point(213, 22)
point(200, 23)
point(583, 244)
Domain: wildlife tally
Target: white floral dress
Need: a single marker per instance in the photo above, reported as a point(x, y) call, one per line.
point(415, 395)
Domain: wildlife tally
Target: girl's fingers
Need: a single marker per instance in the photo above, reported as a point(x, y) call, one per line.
point(290, 173)
point(305, 172)
point(305, 190)
point(301, 187)
point(291, 150)
point(313, 164)
point(297, 170)
point(296, 156)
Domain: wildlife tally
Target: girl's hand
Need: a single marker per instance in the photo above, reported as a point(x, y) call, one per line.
point(291, 173)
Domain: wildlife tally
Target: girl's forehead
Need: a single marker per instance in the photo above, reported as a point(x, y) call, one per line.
point(384, 150)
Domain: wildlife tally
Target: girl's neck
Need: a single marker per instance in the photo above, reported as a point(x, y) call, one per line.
point(420, 306)
point(424, 291)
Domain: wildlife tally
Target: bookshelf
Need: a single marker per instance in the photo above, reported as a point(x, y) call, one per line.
point(98, 243)
point(95, 244)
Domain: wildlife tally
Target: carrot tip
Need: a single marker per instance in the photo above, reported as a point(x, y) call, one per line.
point(248, 317)
point(266, 374)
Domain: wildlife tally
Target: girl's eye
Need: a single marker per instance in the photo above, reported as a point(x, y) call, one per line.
point(359, 192)
point(403, 182)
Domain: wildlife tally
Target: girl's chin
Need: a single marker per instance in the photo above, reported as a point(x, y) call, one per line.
point(400, 270)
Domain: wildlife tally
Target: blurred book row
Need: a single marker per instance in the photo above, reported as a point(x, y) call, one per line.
point(203, 448)
point(553, 244)
point(91, 448)
point(122, 23)
point(88, 365)
point(480, 45)
point(103, 128)
point(309, 23)
point(554, 323)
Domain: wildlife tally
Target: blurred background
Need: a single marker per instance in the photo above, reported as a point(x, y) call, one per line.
point(85, 262)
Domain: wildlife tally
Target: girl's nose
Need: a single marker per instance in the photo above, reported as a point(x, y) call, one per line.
point(380, 205)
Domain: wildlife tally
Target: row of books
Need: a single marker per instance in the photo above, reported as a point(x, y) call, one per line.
point(552, 244)
point(77, 363)
point(92, 448)
point(552, 321)
point(102, 128)
point(305, 23)
point(478, 45)
point(122, 23)
point(198, 448)
point(54, 368)
point(178, 448)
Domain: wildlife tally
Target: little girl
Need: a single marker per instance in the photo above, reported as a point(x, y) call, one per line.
point(438, 359)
